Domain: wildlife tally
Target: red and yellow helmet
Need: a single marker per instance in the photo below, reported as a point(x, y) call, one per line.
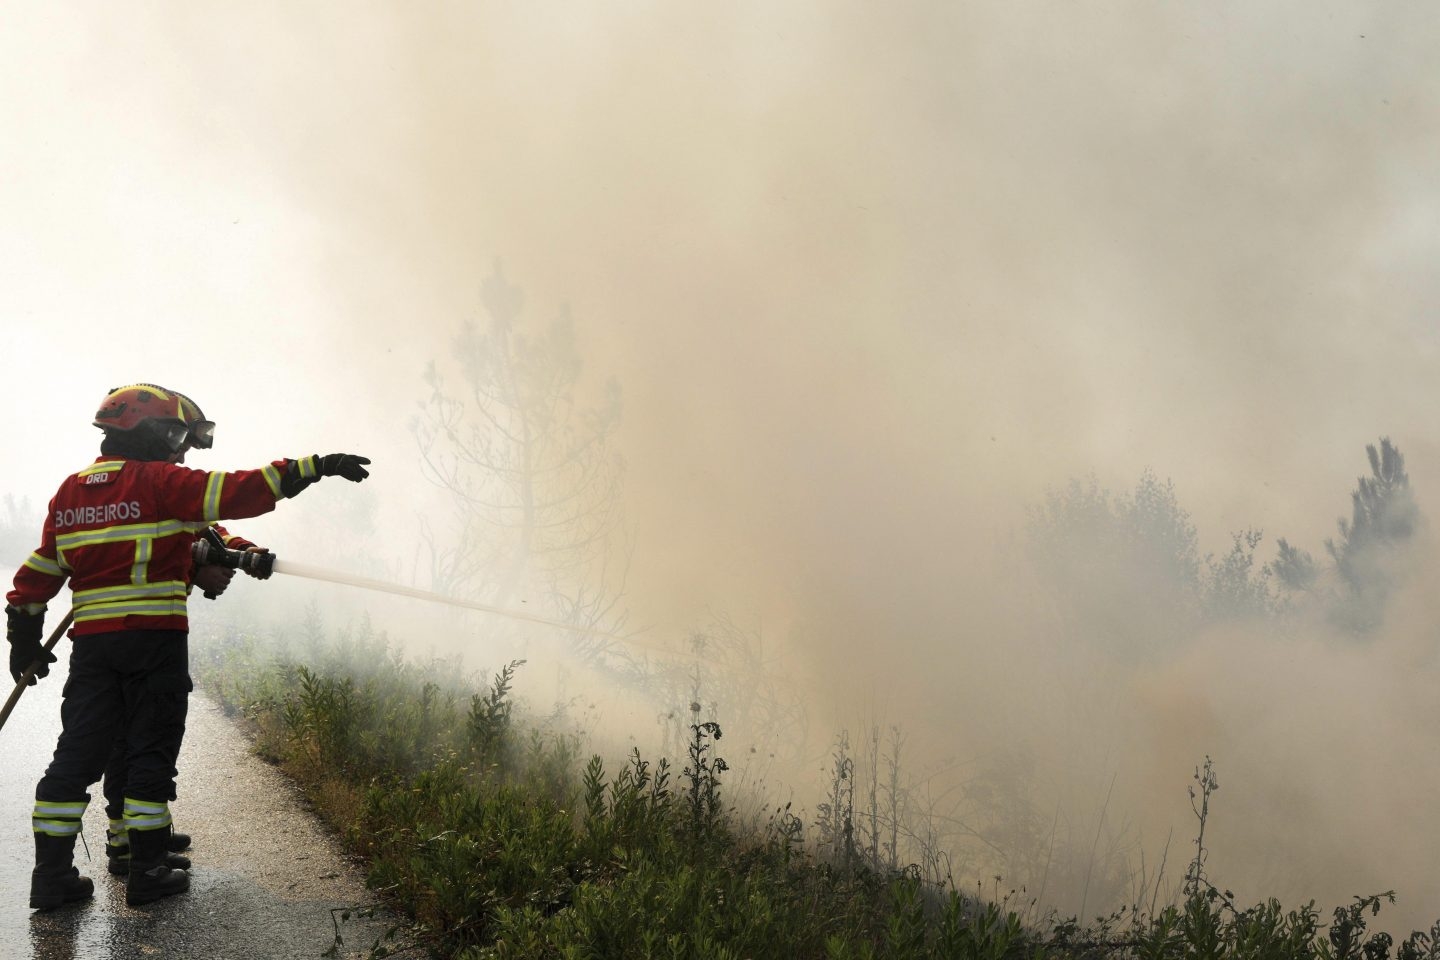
point(144, 406)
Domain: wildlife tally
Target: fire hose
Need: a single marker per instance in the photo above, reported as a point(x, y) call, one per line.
point(209, 548)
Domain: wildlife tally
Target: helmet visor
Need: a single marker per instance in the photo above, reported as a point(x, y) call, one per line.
point(202, 434)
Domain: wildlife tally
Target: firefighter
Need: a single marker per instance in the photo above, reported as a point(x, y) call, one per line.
point(212, 580)
point(120, 531)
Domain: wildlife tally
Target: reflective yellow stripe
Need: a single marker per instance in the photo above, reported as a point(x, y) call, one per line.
point(146, 823)
point(107, 467)
point(272, 477)
point(144, 815)
point(140, 566)
point(139, 597)
point(145, 806)
point(165, 588)
point(131, 608)
point(58, 818)
point(126, 531)
point(307, 467)
point(44, 565)
point(158, 391)
point(213, 486)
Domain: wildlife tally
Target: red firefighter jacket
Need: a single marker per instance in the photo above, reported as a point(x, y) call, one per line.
point(121, 530)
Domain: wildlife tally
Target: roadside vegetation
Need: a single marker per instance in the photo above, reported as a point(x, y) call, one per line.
point(500, 837)
point(501, 833)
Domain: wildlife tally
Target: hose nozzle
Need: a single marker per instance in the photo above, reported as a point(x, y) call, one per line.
point(210, 549)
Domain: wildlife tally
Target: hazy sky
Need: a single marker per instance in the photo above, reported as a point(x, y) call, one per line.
point(871, 276)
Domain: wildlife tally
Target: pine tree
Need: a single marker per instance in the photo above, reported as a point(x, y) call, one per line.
point(535, 475)
point(1384, 518)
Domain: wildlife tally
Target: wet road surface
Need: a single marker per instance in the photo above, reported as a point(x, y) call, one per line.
point(266, 874)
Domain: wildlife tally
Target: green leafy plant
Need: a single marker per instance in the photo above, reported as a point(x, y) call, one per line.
point(486, 830)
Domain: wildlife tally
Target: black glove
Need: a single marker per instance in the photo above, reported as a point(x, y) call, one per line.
point(347, 465)
point(23, 630)
point(299, 474)
point(259, 563)
point(212, 579)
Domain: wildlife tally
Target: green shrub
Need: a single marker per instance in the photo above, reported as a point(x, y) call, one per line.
point(486, 829)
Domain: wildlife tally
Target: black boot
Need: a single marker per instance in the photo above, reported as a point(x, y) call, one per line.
point(179, 842)
point(117, 852)
point(55, 881)
point(150, 879)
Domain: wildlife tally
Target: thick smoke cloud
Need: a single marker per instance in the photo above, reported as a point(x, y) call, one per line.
point(871, 278)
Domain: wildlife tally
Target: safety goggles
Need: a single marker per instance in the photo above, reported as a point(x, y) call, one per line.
point(173, 432)
point(202, 434)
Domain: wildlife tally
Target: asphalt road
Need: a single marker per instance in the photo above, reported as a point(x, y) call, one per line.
point(266, 874)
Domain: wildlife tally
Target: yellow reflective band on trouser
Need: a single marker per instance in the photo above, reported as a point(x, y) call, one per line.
point(115, 835)
point(58, 818)
point(146, 815)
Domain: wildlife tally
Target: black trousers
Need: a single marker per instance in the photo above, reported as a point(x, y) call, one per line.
point(137, 683)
